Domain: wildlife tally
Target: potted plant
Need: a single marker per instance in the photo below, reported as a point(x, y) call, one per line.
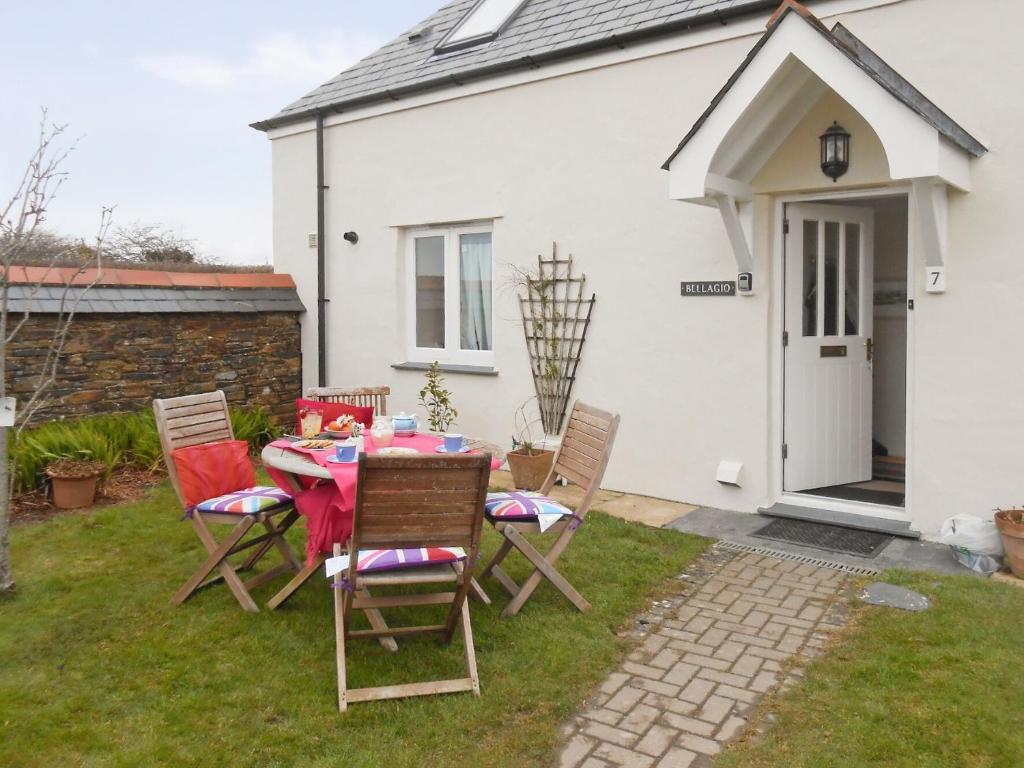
point(74, 482)
point(437, 400)
point(529, 464)
point(1010, 523)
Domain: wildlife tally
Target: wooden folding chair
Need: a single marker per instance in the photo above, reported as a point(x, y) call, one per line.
point(362, 396)
point(201, 419)
point(581, 459)
point(411, 503)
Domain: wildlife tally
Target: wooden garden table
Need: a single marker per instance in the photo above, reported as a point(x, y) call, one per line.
point(326, 500)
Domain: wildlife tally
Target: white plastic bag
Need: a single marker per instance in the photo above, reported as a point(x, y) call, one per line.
point(975, 543)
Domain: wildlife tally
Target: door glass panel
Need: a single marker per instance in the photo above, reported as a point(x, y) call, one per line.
point(430, 292)
point(475, 291)
point(810, 279)
point(831, 277)
point(852, 278)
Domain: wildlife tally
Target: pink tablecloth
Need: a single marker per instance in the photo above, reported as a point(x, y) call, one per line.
point(328, 507)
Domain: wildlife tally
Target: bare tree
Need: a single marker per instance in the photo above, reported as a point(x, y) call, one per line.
point(21, 219)
point(151, 243)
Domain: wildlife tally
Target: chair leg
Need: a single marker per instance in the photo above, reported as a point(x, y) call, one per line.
point(278, 541)
point(216, 559)
point(297, 581)
point(478, 592)
point(505, 580)
point(339, 634)
point(469, 649)
point(543, 568)
point(501, 554)
point(376, 619)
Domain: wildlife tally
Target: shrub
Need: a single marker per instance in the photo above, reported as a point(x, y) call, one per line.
point(119, 439)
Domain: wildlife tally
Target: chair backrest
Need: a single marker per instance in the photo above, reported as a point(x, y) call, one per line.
point(191, 420)
point(586, 446)
point(361, 396)
point(407, 502)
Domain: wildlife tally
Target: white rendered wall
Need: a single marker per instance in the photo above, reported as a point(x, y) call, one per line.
point(576, 159)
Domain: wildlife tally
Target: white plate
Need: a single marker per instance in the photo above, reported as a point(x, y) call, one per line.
point(397, 450)
point(336, 460)
point(441, 449)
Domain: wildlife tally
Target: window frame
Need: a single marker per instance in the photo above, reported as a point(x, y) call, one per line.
point(451, 353)
point(447, 47)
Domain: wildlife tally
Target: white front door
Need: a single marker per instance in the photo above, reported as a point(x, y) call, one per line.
point(828, 309)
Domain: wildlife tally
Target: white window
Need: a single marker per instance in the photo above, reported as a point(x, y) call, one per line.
point(483, 23)
point(450, 295)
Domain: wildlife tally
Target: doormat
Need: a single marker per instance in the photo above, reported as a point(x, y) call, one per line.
point(866, 495)
point(831, 538)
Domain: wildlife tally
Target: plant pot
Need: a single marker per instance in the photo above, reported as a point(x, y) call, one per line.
point(73, 493)
point(529, 471)
point(74, 483)
point(1010, 523)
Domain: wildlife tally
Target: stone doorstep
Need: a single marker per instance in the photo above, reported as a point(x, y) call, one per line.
point(647, 510)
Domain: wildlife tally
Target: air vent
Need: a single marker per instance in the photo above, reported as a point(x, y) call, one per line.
point(419, 32)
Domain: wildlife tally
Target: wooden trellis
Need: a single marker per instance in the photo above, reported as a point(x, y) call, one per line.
point(555, 322)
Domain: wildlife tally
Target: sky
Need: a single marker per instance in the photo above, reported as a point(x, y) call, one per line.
point(158, 96)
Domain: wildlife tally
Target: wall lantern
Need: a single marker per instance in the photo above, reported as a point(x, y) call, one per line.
point(835, 151)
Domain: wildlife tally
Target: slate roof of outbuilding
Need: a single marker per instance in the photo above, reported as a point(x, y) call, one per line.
point(541, 31)
point(133, 299)
point(50, 290)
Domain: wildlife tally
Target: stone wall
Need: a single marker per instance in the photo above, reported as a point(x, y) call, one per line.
point(120, 362)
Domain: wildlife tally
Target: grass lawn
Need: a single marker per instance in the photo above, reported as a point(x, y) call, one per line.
point(923, 690)
point(97, 669)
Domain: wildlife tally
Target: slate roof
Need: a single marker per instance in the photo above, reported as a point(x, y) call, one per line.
point(46, 299)
point(542, 31)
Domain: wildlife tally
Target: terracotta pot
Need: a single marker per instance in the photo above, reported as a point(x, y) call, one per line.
point(1010, 523)
point(530, 471)
point(73, 492)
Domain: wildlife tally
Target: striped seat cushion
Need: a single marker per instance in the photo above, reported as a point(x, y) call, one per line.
point(524, 506)
point(248, 501)
point(371, 560)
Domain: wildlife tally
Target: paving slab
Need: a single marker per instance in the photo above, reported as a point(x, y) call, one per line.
point(647, 510)
point(892, 596)
point(644, 509)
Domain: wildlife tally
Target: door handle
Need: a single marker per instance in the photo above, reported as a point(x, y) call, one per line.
point(869, 348)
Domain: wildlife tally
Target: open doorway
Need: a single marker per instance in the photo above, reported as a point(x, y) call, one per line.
point(845, 350)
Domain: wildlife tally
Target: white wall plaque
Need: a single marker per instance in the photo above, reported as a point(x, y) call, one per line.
point(7, 412)
point(935, 279)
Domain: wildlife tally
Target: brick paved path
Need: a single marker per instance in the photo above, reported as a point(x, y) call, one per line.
point(740, 629)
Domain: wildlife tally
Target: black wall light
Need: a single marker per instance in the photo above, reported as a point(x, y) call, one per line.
point(835, 151)
point(352, 237)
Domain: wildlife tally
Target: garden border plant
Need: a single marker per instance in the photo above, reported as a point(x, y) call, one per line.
point(114, 440)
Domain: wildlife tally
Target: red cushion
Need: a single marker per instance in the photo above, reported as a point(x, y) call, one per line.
point(331, 411)
point(213, 469)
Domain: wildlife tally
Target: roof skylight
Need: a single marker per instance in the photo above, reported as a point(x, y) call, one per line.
point(482, 24)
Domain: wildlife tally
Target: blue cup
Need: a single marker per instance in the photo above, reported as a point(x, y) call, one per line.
point(453, 443)
point(345, 450)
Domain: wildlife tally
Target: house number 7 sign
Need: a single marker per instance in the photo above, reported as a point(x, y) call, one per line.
point(935, 279)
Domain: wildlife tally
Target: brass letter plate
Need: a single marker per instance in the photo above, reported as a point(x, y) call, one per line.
point(833, 350)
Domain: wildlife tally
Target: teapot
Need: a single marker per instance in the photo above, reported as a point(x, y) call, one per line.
point(406, 423)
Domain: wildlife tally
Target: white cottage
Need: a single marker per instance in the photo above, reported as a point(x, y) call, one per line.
point(800, 230)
